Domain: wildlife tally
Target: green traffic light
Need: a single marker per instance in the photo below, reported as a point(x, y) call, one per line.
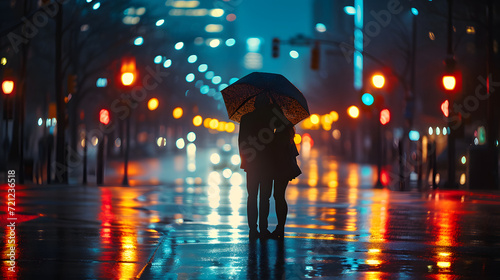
point(367, 99)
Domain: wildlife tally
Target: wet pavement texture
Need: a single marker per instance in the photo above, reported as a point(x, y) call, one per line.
point(338, 227)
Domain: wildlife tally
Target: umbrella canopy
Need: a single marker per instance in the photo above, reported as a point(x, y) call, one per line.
point(239, 97)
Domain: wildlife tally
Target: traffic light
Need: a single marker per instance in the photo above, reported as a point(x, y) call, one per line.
point(451, 80)
point(128, 74)
point(367, 99)
point(315, 56)
point(445, 108)
point(378, 81)
point(8, 86)
point(276, 47)
point(385, 116)
point(104, 116)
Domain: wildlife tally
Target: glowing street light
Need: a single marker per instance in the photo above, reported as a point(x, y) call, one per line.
point(153, 104)
point(353, 112)
point(378, 80)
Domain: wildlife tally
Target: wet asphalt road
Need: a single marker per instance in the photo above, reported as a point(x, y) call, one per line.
point(194, 229)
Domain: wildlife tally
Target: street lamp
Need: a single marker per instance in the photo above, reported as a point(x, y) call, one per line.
point(153, 104)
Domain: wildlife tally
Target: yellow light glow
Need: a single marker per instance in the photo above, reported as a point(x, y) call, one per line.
point(334, 115)
point(336, 134)
point(373, 262)
point(214, 28)
point(462, 179)
point(127, 78)
point(230, 127)
point(8, 86)
point(333, 184)
point(444, 254)
point(314, 119)
point(197, 120)
point(177, 113)
point(214, 124)
point(353, 112)
point(153, 104)
point(374, 250)
point(214, 43)
point(297, 139)
point(449, 82)
point(206, 122)
point(3, 61)
point(222, 126)
point(378, 80)
point(216, 12)
point(183, 4)
point(443, 264)
point(306, 124)
point(326, 119)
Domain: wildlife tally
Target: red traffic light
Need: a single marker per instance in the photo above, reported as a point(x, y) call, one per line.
point(8, 86)
point(451, 82)
point(128, 74)
point(104, 116)
point(445, 108)
point(385, 116)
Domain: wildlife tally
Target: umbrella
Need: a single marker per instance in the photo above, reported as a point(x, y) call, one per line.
point(239, 97)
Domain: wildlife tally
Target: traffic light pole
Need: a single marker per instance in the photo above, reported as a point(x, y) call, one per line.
point(380, 154)
point(451, 133)
point(127, 148)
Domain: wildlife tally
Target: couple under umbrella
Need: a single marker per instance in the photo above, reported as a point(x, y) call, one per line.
point(267, 106)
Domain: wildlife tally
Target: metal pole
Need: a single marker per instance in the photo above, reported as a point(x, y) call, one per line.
point(127, 148)
point(100, 161)
point(379, 185)
point(84, 181)
point(434, 167)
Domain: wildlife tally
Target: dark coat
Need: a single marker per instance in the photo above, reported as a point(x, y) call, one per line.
point(266, 145)
point(255, 141)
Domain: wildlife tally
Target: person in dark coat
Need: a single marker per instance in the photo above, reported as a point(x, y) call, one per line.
point(254, 141)
point(285, 169)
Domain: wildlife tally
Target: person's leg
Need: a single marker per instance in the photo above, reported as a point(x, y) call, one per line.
point(280, 201)
point(265, 193)
point(252, 189)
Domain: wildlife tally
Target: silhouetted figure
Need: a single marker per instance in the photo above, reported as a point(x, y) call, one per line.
point(268, 153)
point(285, 169)
point(254, 142)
